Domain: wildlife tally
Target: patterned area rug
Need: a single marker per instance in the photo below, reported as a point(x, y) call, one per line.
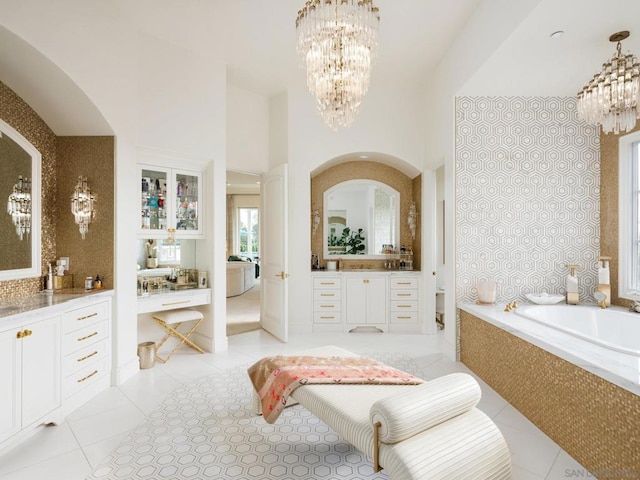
point(206, 429)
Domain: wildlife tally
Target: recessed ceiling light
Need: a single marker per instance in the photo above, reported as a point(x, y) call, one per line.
point(557, 34)
point(363, 156)
point(258, 183)
point(228, 184)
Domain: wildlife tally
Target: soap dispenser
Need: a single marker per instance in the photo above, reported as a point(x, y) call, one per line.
point(604, 282)
point(573, 296)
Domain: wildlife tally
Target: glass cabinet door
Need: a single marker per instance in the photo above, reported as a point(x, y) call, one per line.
point(154, 200)
point(187, 189)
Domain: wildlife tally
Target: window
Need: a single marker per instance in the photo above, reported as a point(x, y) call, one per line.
point(248, 232)
point(629, 216)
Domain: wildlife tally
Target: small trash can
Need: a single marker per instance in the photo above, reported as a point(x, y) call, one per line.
point(147, 354)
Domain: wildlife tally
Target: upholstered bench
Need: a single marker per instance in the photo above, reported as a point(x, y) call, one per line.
point(413, 432)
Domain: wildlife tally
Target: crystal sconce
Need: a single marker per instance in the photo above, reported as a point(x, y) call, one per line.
point(19, 206)
point(315, 219)
point(83, 206)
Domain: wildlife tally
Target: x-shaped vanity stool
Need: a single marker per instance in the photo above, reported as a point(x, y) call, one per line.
point(170, 321)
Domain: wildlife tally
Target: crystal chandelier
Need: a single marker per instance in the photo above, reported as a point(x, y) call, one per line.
point(19, 206)
point(82, 206)
point(610, 98)
point(338, 42)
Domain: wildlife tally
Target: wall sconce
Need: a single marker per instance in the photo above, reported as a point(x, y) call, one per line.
point(82, 206)
point(315, 219)
point(412, 219)
point(19, 206)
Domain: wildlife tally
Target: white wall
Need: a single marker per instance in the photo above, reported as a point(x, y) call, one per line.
point(247, 130)
point(490, 25)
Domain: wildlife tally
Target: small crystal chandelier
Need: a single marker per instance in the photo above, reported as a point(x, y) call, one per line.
point(610, 98)
point(82, 206)
point(338, 43)
point(19, 206)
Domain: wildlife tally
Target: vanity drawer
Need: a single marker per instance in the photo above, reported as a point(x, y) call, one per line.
point(327, 282)
point(404, 317)
point(402, 282)
point(84, 356)
point(169, 301)
point(323, 295)
point(81, 317)
point(327, 317)
point(404, 306)
point(74, 341)
point(404, 294)
point(84, 377)
point(326, 306)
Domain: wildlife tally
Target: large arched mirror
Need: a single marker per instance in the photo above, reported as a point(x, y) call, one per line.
point(361, 217)
point(20, 170)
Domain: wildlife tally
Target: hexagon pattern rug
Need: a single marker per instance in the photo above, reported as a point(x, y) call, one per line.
point(206, 429)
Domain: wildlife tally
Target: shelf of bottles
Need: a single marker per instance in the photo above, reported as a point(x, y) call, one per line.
point(154, 204)
point(170, 200)
point(186, 202)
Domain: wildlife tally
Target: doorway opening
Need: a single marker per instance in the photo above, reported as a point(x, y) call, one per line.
point(243, 253)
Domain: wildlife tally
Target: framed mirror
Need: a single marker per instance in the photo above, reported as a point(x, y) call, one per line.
point(20, 190)
point(360, 218)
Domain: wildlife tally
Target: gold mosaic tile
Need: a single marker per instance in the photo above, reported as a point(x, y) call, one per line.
point(609, 208)
point(593, 420)
point(63, 159)
point(20, 116)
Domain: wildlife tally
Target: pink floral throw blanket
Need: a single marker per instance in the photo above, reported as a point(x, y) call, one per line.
point(274, 378)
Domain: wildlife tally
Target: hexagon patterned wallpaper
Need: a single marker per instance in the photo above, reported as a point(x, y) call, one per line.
point(527, 196)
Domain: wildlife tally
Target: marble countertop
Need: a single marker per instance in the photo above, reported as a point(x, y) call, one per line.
point(19, 307)
point(618, 368)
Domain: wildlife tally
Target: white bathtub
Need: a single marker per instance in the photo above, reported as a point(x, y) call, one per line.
point(617, 330)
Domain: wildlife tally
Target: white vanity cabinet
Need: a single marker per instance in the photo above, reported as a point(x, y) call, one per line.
point(404, 293)
point(86, 352)
point(366, 301)
point(327, 300)
point(29, 375)
point(55, 355)
point(388, 300)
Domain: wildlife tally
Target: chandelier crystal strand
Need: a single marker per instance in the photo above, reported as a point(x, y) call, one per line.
point(83, 206)
point(338, 43)
point(610, 98)
point(19, 206)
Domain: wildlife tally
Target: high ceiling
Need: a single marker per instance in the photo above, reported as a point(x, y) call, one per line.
point(257, 40)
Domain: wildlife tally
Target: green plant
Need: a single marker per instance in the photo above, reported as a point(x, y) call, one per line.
point(354, 241)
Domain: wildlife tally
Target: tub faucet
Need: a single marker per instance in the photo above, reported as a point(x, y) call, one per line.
point(572, 285)
point(601, 298)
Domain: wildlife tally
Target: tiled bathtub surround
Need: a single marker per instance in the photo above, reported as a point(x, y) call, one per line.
point(595, 421)
point(527, 195)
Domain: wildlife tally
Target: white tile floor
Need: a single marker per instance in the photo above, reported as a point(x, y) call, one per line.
point(71, 450)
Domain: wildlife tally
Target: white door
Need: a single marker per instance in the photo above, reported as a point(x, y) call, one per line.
point(429, 260)
point(40, 370)
point(273, 255)
point(377, 301)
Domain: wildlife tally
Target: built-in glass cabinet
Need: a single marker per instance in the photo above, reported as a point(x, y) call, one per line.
point(171, 199)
